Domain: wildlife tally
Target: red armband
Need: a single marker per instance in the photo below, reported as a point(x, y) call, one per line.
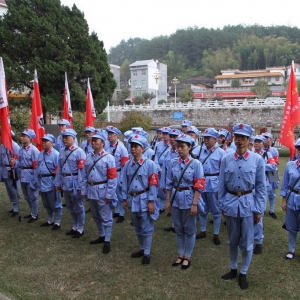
point(55, 170)
point(153, 179)
point(15, 156)
point(80, 163)
point(123, 160)
point(276, 158)
point(34, 164)
point(271, 161)
point(199, 183)
point(112, 173)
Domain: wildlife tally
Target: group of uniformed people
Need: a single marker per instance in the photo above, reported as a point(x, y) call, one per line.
point(175, 172)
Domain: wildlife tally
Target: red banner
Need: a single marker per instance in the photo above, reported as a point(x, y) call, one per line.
point(291, 115)
point(90, 113)
point(37, 120)
point(67, 112)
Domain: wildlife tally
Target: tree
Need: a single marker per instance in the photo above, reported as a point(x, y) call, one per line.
point(135, 119)
point(186, 94)
point(138, 100)
point(54, 39)
point(19, 119)
point(125, 71)
point(148, 96)
point(235, 83)
point(261, 89)
point(123, 95)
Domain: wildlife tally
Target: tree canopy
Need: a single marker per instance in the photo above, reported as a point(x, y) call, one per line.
point(54, 39)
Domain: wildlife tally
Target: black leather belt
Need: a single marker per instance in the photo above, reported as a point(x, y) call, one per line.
point(295, 191)
point(96, 183)
point(139, 193)
point(6, 165)
point(26, 168)
point(215, 174)
point(69, 174)
point(183, 188)
point(240, 193)
point(119, 170)
point(46, 175)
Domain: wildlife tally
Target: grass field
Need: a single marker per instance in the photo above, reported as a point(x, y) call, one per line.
point(37, 263)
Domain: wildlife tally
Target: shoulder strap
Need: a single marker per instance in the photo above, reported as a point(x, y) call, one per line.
point(200, 149)
point(136, 172)
point(163, 152)
point(196, 147)
point(115, 149)
point(296, 181)
point(47, 165)
point(95, 163)
point(68, 156)
point(209, 155)
point(180, 179)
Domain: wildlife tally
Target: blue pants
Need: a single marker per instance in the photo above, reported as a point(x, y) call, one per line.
point(52, 203)
point(271, 191)
point(240, 236)
point(185, 228)
point(31, 197)
point(101, 213)
point(161, 195)
point(119, 207)
point(13, 193)
point(75, 205)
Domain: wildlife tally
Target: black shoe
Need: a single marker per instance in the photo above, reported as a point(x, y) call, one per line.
point(87, 211)
point(243, 283)
point(120, 219)
point(64, 205)
point(230, 275)
point(99, 240)
point(47, 224)
point(77, 235)
point(211, 222)
point(106, 248)
point(216, 239)
point(258, 249)
point(169, 229)
point(71, 232)
point(273, 215)
point(201, 235)
point(55, 227)
point(10, 211)
point(184, 267)
point(224, 223)
point(32, 219)
point(116, 215)
point(14, 214)
point(161, 211)
point(27, 216)
point(146, 260)
point(140, 253)
point(168, 214)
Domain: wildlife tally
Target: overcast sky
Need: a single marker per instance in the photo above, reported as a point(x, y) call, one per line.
point(114, 20)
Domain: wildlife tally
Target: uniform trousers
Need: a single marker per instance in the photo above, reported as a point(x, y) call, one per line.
point(259, 232)
point(12, 192)
point(119, 200)
point(271, 191)
point(240, 236)
point(52, 203)
point(31, 197)
point(102, 215)
point(75, 205)
point(292, 222)
point(185, 228)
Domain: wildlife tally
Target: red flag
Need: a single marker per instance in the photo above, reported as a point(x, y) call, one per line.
point(67, 113)
point(291, 115)
point(37, 120)
point(90, 113)
point(4, 111)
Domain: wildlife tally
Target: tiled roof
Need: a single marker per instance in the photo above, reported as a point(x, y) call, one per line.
point(264, 74)
point(2, 2)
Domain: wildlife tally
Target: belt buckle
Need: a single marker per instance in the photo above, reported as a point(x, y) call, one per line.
point(92, 183)
point(239, 194)
point(134, 194)
point(64, 175)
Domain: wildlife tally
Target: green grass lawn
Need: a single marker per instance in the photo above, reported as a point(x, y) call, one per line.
point(37, 263)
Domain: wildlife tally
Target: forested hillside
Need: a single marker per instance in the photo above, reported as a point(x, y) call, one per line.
point(201, 51)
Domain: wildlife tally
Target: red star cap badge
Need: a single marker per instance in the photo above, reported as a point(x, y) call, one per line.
point(206, 131)
point(241, 126)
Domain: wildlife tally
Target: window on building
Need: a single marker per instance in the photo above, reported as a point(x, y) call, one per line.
point(143, 82)
point(227, 80)
point(134, 83)
point(269, 79)
point(143, 72)
point(277, 78)
point(134, 73)
point(221, 81)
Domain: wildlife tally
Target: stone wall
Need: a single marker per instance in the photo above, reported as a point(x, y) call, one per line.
point(216, 117)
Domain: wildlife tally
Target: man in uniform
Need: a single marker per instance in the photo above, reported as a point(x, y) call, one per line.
point(9, 176)
point(210, 158)
point(274, 185)
point(242, 193)
point(69, 175)
point(185, 125)
point(224, 140)
point(62, 124)
point(120, 153)
point(86, 145)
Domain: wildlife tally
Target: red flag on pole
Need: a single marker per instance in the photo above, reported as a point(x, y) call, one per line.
point(90, 113)
point(37, 120)
point(4, 111)
point(291, 115)
point(67, 112)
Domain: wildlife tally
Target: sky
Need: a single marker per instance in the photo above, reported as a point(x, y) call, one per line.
point(114, 20)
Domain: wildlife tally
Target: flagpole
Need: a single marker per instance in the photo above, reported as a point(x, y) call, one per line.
point(108, 112)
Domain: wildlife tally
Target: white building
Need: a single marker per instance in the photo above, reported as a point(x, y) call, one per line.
point(296, 70)
point(3, 7)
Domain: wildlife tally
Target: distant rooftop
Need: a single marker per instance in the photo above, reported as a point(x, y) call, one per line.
point(141, 63)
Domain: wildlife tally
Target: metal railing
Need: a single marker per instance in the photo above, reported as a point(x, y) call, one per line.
point(202, 105)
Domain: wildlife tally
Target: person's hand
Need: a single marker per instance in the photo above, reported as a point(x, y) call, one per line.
point(125, 204)
point(12, 161)
point(58, 189)
point(283, 204)
point(151, 207)
point(108, 200)
point(168, 206)
point(256, 218)
point(164, 190)
point(194, 210)
point(85, 197)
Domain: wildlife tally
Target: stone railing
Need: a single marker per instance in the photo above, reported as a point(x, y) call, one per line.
point(203, 105)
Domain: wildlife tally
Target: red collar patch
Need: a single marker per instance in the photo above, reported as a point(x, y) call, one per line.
point(49, 152)
point(297, 163)
point(72, 147)
point(28, 147)
point(185, 161)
